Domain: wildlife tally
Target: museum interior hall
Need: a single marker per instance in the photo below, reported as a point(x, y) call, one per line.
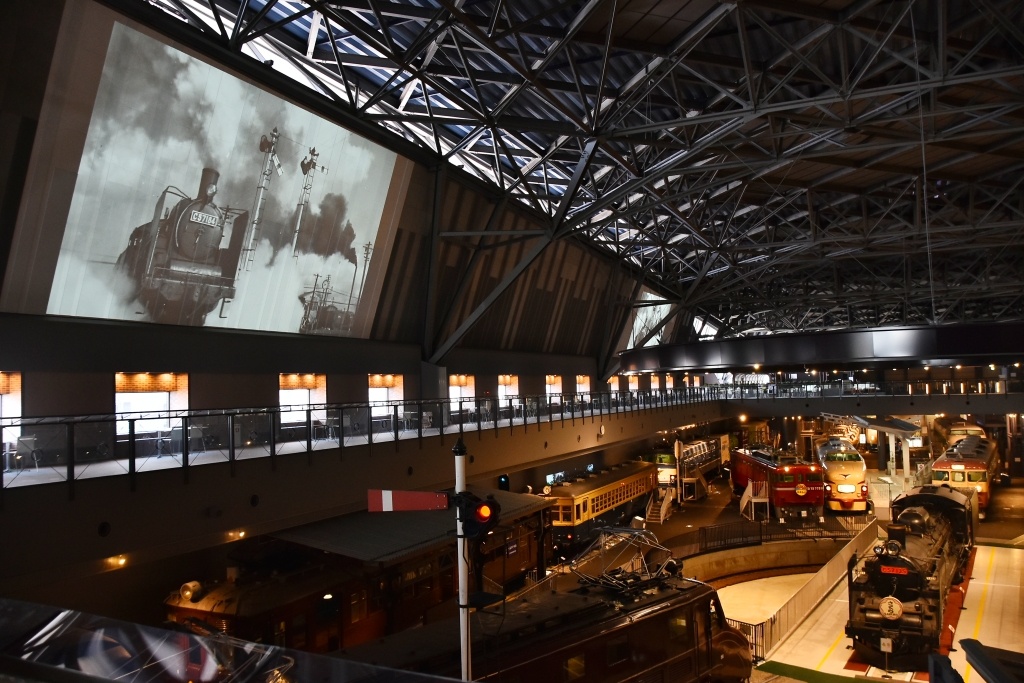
point(269, 266)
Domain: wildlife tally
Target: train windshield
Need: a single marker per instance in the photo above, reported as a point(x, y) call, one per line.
point(813, 476)
point(842, 456)
point(940, 475)
point(975, 477)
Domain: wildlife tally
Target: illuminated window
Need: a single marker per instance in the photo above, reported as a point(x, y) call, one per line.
point(300, 391)
point(10, 404)
point(655, 382)
point(582, 384)
point(575, 668)
point(460, 388)
point(680, 630)
point(508, 386)
point(383, 390)
point(553, 385)
point(137, 394)
point(634, 382)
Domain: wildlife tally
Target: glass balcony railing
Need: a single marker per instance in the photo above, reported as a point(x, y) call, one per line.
point(53, 449)
point(50, 449)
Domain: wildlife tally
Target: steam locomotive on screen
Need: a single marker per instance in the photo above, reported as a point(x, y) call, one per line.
point(898, 591)
point(183, 263)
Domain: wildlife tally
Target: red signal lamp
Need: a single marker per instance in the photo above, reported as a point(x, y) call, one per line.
point(483, 513)
point(478, 515)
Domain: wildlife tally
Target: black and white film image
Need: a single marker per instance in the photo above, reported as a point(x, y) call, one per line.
point(203, 200)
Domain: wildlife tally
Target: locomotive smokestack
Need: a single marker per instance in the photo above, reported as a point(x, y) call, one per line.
point(208, 185)
point(898, 533)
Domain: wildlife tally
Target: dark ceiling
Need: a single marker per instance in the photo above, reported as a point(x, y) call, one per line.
point(767, 166)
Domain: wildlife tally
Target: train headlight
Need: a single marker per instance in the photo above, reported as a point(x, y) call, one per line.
point(978, 488)
point(892, 548)
point(879, 550)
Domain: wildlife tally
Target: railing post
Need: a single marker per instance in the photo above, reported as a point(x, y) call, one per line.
point(275, 423)
point(184, 447)
point(394, 423)
point(70, 427)
point(309, 432)
point(231, 442)
point(131, 453)
point(419, 422)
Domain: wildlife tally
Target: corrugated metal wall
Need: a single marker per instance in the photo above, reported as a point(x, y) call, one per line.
point(569, 300)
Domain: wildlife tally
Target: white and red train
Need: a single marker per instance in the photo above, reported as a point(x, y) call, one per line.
point(845, 474)
point(970, 463)
point(794, 487)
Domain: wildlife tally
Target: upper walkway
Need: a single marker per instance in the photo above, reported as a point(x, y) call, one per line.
point(44, 450)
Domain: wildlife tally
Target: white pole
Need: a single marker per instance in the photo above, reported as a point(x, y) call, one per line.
point(460, 487)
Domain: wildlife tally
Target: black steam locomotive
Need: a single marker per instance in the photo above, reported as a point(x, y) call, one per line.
point(184, 262)
point(898, 590)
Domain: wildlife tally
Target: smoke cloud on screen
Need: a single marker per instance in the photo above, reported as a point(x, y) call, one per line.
point(272, 296)
point(155, 95)
point(325, 232)
point(95, 290)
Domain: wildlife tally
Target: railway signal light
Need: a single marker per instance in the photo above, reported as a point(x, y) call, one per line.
point(478, 515)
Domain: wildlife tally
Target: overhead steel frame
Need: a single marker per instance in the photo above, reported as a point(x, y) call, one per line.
point(764, 166)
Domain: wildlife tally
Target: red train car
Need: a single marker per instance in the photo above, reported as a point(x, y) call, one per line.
point(794, 487)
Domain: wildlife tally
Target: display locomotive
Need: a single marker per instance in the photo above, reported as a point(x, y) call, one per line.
point(845, 474)
point(898, 591)
point(971, 463)
point(183, 263)
point(794, 487)
point(607, 498)
point(948, 432)
point(626, 625)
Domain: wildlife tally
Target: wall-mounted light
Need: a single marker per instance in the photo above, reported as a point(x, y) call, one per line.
point(505, 380)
